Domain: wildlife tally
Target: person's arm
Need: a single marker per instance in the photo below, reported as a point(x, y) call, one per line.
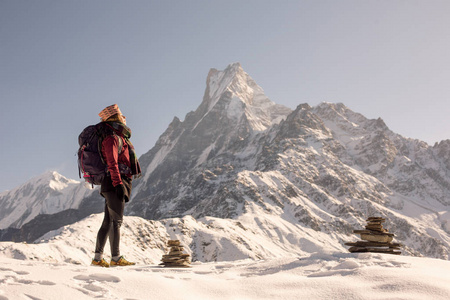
point(110, 148)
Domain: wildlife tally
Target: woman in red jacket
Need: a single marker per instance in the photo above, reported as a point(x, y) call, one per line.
point(118, 153)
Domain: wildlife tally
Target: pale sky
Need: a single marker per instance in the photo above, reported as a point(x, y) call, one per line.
point(61, 62)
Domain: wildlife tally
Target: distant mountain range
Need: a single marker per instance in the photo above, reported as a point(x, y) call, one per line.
point(241, 168)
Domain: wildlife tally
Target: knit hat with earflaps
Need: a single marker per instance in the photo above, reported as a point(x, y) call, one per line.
point(109, 111)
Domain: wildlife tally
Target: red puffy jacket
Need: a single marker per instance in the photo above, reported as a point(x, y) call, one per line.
point(110, 151)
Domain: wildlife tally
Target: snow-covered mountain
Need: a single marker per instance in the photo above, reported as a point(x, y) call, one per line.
point(324, 168)
point(45, 194)
point(241, 173)
point(233, 112)
point(45, 203)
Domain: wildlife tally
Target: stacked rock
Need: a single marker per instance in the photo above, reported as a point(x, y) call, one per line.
point(375, 238)
point(175, 256)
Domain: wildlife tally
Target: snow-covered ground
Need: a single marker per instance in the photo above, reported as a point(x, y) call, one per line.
point(57, 267)
point(316, 276)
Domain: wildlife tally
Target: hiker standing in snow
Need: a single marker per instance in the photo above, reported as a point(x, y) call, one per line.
point(120, 157)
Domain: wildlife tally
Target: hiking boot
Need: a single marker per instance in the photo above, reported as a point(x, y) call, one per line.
point(121, 262)
point(100, 263)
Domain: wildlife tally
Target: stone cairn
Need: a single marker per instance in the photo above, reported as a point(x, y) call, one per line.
point(375, 238)
point(175, 257)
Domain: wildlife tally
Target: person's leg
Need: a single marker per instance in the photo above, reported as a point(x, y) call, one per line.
point(102, 234)
point(115, 210)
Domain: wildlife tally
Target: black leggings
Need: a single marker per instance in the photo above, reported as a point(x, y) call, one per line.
point(111, 224)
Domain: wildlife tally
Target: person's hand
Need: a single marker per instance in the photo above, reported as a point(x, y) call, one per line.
point(120, 191)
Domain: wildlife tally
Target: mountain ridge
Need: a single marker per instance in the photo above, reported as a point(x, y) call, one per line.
point(47, 193)
point(335, 166)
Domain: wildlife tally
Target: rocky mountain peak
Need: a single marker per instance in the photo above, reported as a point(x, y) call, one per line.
point(234, 94)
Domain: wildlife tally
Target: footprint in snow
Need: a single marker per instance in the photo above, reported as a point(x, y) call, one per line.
point(17, 272)
point(98, 277)
point(92, 284)
point(22, 272)
point(12, 279)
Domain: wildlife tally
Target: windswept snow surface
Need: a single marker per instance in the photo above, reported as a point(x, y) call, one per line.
point(315, 276)
point(58, 267)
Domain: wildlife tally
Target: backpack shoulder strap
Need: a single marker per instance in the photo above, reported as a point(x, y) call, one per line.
point(105, 130)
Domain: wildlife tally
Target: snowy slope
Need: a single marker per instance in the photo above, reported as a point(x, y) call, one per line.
point(59, 265)
point(208, 239)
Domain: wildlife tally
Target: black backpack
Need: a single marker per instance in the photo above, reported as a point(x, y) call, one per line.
point(90, 159)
